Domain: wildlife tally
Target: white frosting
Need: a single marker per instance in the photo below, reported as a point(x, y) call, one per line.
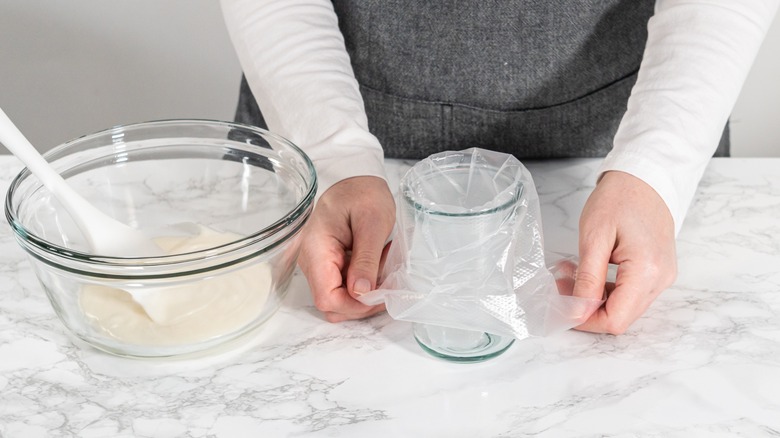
point(196, 309)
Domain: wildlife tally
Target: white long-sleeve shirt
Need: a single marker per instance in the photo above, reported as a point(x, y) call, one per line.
point(697, 56)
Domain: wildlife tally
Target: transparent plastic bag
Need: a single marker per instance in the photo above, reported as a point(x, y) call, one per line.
point(468, 251)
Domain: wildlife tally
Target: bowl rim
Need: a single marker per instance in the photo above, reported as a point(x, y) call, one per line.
point(270, 233)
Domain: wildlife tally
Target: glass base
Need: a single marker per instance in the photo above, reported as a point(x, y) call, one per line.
point(458, 345)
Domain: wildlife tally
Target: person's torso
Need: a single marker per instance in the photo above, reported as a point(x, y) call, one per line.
point(536, 78)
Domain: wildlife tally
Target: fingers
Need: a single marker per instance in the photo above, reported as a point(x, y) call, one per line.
point(341, 317)
point(590, 278)
point(626, 222)
point(329, 293)
point(595, 252)
point(342, 246)
point(564, 272)
point(637, 285)
point(626, 303)
point(322, 261)
point(369, 234)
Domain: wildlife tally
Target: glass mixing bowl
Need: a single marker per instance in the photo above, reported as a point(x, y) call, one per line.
point(225, 202)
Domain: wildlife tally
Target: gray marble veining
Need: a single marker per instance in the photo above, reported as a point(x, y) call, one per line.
point(703, 361)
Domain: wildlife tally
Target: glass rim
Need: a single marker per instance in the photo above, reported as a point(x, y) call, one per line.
point(405, 189)
point(269, 233)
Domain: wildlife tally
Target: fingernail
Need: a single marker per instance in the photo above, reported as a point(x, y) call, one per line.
point(361, 286)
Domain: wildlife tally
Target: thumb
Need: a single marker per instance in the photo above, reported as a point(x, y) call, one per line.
point(591, 277)
point(368, 243)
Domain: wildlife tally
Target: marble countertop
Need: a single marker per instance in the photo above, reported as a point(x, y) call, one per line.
point(703, 361)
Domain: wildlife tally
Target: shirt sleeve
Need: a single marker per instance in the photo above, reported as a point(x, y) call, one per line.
point(293, 55)
point(697, 56)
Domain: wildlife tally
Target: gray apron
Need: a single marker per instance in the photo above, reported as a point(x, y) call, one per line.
point(534, 78)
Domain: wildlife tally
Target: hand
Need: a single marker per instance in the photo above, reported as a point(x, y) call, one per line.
point(343, 245)
point(624, 222)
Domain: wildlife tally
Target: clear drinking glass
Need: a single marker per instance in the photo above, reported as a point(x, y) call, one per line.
point(456, 214)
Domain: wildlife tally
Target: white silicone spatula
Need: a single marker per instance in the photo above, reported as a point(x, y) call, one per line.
point(105, 235)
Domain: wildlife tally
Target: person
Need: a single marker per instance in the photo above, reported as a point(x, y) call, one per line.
point(649, 85)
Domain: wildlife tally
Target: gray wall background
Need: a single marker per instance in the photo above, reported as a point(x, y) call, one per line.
point(73, 67)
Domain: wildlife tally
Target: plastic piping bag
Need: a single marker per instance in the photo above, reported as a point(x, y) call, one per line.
point(469, 251)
